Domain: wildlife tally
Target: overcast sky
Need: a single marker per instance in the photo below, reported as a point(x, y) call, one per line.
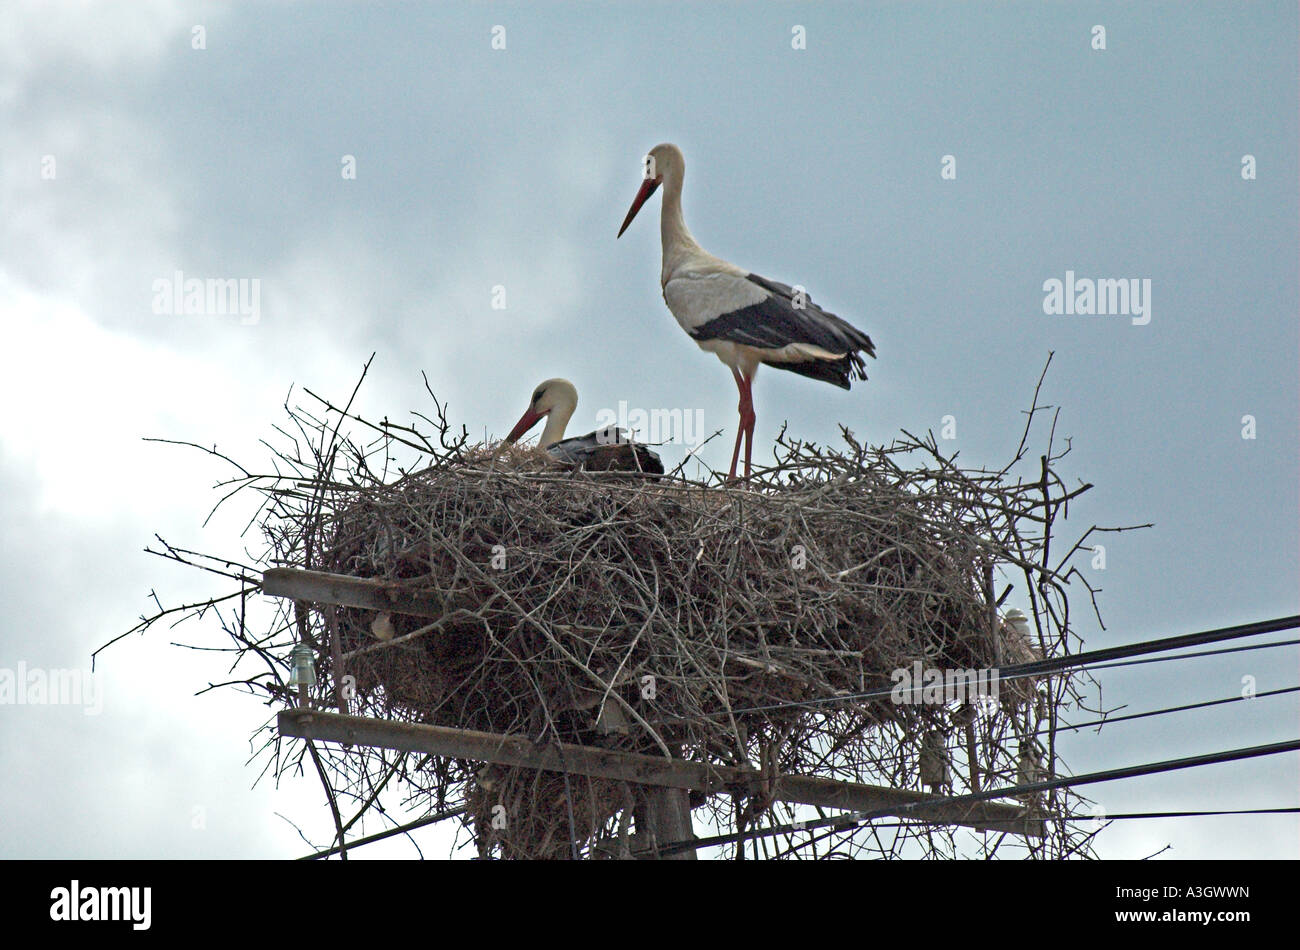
point(127, 155)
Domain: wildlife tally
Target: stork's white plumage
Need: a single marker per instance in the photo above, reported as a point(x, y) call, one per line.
point(607, 449)
point(742, 318)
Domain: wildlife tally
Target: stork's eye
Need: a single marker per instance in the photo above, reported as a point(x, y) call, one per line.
point(537, 397)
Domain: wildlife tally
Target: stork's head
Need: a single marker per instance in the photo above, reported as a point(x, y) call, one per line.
point(664, 163)
point(556, 398)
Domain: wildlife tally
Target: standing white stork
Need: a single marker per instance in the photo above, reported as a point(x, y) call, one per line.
point(742, 318)
point(607, 449)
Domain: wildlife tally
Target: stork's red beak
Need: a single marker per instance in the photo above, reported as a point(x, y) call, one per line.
point(526, 422)
point(648, 187)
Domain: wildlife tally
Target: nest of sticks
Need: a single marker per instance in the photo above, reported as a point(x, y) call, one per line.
point(755, 625)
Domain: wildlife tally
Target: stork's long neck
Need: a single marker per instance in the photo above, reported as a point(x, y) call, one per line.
point(556, 420)
point(678, 244)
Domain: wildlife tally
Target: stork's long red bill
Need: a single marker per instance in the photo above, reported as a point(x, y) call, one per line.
point(648, 186)
point(526, 422)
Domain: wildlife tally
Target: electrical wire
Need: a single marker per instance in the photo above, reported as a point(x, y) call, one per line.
point(1168, 709)
point(1183, 814)
point(1004, 676)
point(854, 819)
point(1194, 656)
point(1216, 635)
point(1093, 659)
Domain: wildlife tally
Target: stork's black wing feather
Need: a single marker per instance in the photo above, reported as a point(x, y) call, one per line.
point(785, 317)
point(607, 449)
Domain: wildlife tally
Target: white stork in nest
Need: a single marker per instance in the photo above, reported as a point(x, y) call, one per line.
point(607, 449)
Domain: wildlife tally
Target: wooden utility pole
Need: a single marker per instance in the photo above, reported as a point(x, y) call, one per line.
point(665, 818)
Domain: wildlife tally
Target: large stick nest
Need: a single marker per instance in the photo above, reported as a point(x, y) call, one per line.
point(664, 617)
point(753, 624)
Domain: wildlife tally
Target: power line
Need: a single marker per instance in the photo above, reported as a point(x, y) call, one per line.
point(855, 819)
point(1169, 709)
point(1197, 655)
point(1138, 815)
point(1183, 814)
point(1094, 659)
point(1004, 675)
point(1217, 635)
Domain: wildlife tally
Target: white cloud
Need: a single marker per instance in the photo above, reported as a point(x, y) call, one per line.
point(83, 397)
point(42, 39)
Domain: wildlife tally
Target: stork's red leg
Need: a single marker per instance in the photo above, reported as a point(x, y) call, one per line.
point(748, 418)
point(740, 429)
point(749, 428)
point(746, 429)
